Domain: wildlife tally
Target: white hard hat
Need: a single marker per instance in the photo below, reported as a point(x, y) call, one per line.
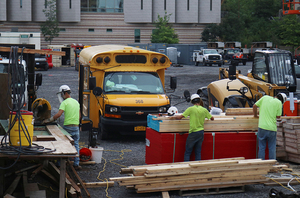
point(64, 88)
point(282, 97)
point(172, 110)
point(194, 96)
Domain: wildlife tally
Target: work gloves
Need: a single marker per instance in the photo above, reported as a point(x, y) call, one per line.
point(48, 120)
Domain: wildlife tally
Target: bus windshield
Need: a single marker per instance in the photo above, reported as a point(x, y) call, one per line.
point(132, 83)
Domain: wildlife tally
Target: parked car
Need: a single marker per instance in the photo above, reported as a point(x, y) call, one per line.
point(41, 62)
point(234, 55)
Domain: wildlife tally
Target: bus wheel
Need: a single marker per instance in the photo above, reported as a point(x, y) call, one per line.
point(102, 133)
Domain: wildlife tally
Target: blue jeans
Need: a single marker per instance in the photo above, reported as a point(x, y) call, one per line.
point(194, 139)
point(74, 132)
point(264, 136)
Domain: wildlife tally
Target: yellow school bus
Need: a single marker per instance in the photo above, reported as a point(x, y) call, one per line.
point(120, 85)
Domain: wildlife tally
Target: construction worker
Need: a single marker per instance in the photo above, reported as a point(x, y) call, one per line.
point(197, 115)
point(71, 109)
point(270, 108)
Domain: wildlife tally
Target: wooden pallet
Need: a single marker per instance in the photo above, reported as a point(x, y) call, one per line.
point(210, 191)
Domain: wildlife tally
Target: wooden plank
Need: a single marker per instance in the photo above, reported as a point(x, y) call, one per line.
point(165, 194)
point(239, 111)
point(65, 147)
point(8, 196)
point(33, 51)
point(143, 168)
point(50, 176)
point(74, 185)
point(13, 185)
point(25, 185)
point(57, 174)
point(36, 171)
point(79, 179)
point(184, 185)
point(97, 184)
point(210, 191)
point(56, 132)
point(43, 138)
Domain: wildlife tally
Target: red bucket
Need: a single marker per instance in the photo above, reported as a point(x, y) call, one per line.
point(85, 154)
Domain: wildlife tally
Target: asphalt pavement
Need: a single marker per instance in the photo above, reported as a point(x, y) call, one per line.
point(124, 151)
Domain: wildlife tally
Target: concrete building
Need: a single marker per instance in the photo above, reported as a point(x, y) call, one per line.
point(95, 22)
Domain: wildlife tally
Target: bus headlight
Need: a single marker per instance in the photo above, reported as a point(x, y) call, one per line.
point(113, 109)
point(162, 109)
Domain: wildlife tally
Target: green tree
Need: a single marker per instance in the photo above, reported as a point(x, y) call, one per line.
point(288, 30)
point(164, 32)
point(246, 21)
point(50, 28)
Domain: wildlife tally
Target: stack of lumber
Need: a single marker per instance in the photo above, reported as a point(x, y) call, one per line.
point(288, 137)
point(221, 123)
point(194, 175)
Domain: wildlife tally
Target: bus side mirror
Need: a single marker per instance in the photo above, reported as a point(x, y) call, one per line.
point(92, 82)
point(173, 82)
point(38, 79)
point(97, 91)
point(232, 72)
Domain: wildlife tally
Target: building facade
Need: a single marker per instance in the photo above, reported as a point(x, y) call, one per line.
point(95, 22)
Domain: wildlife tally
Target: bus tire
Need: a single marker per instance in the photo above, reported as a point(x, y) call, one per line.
point(102, 133)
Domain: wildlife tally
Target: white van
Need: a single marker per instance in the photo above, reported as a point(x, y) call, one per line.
point(4, 63)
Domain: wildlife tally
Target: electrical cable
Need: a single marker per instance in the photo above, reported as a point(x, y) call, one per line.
point(111, 161)
point(18, 97)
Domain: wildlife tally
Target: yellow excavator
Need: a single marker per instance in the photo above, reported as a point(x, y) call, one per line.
point(272, 72)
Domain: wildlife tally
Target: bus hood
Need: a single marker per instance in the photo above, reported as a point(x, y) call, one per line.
point(137, 99)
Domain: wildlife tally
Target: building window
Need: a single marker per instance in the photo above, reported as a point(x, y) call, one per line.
point(46, 3)
point(142, 4)
point(70, 4)
point(137, 35)
point(62, 29)
point(188, 4)
point(91, 30)
point(108, 30)
point(165, 4)
point(210, 5)
point(110, 6)
point(21, 3)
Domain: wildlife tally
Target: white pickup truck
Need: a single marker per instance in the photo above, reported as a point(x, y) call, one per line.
point(207, 57)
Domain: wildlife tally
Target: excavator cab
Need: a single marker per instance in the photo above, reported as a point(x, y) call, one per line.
point(275, 67)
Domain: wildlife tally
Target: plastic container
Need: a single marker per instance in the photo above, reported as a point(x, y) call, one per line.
point(287, 111)
point(96, 154)
point(85, 154)
point(14, 137)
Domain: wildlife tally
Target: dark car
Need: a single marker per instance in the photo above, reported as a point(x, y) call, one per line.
point(41, 62)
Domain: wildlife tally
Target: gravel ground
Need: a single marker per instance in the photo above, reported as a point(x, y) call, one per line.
point(188, 78)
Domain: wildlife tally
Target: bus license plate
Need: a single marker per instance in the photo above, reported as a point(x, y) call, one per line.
point(140, 128)
point(215, 61)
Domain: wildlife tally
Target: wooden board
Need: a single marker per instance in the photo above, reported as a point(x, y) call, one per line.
point(224, 123)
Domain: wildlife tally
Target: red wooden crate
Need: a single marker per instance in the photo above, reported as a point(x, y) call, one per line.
point(170, 147)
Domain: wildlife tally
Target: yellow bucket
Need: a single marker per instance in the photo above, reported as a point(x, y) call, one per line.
point(14, 137)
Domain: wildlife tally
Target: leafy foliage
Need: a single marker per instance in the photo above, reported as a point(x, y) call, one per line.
point(247, 21)
point(164, 32)
point(50, 28)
